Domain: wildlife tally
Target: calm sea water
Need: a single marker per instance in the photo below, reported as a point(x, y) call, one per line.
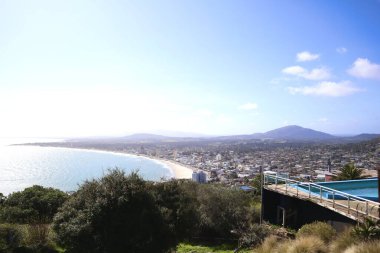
point(65, 169)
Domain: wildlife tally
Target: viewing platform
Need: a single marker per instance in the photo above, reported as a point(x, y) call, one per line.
point(333, 196)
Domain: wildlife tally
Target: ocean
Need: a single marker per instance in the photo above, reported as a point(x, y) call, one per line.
point(66, 169)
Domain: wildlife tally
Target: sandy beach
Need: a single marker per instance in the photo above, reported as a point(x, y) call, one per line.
point(180, 171)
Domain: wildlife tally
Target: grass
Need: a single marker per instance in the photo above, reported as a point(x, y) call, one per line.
point(190, 248)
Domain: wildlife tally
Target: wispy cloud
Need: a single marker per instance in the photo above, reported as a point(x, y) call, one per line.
point(315, 74)
point(330, 89)
point(248, 106)
point(323, 120)
point(294, 70)
point(341, 50)
point(363, 68)
point(307, 56)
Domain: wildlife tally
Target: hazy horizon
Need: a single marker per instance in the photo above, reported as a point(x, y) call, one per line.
point(111, 68)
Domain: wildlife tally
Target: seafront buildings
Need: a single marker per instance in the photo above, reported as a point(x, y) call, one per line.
point(238, 163)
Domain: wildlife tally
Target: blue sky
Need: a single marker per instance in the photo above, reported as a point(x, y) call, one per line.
point(83, 68)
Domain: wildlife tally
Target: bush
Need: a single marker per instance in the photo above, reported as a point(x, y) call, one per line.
point(223, 210)
point(10, 237)
point(114, 214)
point(179, 208)
point(253, 236)
point(319, 229)
point(33, 205)
point(368, 230)
point(307, 244)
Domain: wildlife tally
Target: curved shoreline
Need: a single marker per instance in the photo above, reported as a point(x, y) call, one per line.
point(177, 170)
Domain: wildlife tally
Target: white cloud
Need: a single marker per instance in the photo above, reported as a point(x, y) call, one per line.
point(318, 74)
point(324, 120)
point(341, 50)
point(248, 106)
point(294, 70)
point(330, 89)
point(315, 74)
point(307, 56)
point(363, 68)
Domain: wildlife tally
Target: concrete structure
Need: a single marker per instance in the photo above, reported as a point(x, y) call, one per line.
point(292, 203)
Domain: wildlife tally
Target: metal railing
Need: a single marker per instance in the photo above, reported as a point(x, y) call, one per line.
point(349, 205)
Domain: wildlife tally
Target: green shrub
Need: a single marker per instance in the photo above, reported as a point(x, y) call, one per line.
point(10, 237)
point(319, 229)
point(114, 214)
point(34, 204)
point(253, 236)
point(368, 230)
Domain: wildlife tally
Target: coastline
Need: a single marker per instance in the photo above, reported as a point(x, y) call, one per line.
point(178, 170)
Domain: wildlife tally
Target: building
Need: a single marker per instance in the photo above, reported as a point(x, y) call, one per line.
point(199, 177)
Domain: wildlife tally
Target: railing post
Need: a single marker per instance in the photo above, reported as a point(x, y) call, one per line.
point(309, 190)
point(366, 209)
point(276, 179)
point(348, 204)
point(333, 193)
point(320, 193)
point(297, 187)
point(286, 186)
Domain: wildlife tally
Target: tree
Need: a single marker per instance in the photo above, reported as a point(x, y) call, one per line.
point(256, 183)
point(114, 214)
point(35, 204)
point(223, 210)
point(179, 207)
point(350, 172)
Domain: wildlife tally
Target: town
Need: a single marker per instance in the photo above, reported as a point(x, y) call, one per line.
point(237, 162)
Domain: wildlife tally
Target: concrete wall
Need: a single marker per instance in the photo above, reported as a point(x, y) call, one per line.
point(296, 212)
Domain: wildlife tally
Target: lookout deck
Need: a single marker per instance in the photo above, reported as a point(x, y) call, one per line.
point(353, 207)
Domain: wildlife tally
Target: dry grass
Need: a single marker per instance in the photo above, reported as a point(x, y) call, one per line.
point(318, 229)
point(307, 244)
point(269, 245)
point(343, 241)
point(364, 247)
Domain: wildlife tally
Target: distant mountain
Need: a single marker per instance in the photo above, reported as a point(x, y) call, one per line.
point(144, 136)
point(180, 134)
point(287, 133)
point(362, 137)
point(134, 138)
point(297, 133)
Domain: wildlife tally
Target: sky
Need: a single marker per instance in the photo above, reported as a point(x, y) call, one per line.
point(94, 67)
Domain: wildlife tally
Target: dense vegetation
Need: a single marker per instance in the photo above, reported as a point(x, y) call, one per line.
point(124, 213)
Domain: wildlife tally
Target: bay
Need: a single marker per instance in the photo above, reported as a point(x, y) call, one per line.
point(66, 169)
